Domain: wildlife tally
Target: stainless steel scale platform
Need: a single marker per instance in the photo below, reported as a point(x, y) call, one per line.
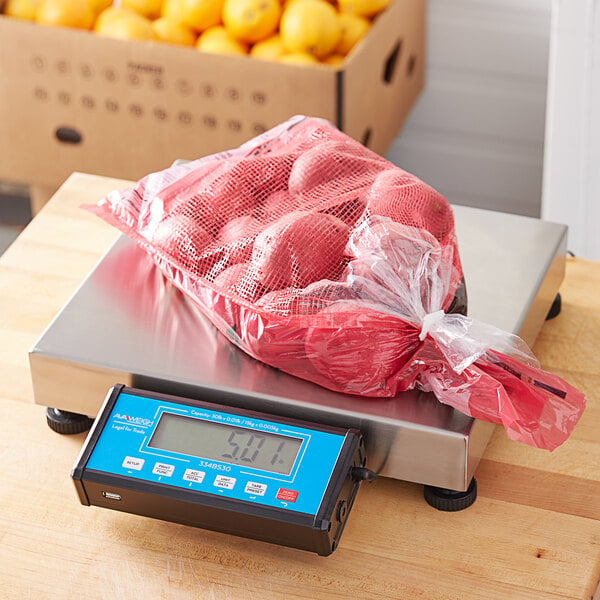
point(126, 324)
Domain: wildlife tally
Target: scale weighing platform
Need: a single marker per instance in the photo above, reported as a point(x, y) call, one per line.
point(126, 324)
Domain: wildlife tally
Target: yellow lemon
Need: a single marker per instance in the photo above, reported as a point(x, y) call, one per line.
point(362, 8)
point(108, 14)
point(124, 24)
point(310, 26)
point(334, 60)
point(298, 58)
point(173, 32)
point(172, 10)
point(147, 8)
point(98, 6)
point(200, 14)
point(286, 3)
point(21, 9)
point(251, 20)
point(354, 28)
point(65, 13)
point(269, 49)
point(217, 40)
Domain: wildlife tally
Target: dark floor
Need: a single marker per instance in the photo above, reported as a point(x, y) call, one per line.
point(15, 213)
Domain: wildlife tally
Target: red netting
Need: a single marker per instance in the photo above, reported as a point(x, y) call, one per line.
point(278, 216)
point(321, 258)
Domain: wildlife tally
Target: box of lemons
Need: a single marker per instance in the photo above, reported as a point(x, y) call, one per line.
point(353, 29)
point(217, 40)
point(271, 48)
point(199, 15)
point(363, 8)
point(251, 21)
point(21, 9)
point(123, 23)
point(334, 60)
point(98, 6)
point(298, 58)
point(310, 26)
point(172, 31)
point(147, 8)
point(65, 13)
point(171, 9)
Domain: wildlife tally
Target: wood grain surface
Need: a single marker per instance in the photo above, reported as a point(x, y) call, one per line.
point(532, 534)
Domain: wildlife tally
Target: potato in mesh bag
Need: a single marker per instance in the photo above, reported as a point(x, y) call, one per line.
point(332, 264)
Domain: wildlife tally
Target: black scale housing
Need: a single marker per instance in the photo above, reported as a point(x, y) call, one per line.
point(318, 533)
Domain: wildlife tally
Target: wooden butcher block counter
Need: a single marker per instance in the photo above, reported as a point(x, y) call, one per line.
point(532, 534)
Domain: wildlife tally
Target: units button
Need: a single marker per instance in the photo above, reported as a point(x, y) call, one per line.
point(255, 489)
point(163, 469)
point(131, 462)
point(287, 495)
point(224, 482)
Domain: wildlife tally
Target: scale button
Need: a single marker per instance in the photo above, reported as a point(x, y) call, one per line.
point(131, 462)
point(163, 469)
point(287, 495)
point(256, 489)
point(224, 482)
point(193, 475)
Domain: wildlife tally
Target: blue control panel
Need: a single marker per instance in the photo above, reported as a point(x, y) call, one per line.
point(217, 452)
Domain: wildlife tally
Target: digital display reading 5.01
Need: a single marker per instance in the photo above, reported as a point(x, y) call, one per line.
point(226, 443)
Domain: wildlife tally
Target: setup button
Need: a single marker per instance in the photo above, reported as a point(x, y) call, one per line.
point(131, 462)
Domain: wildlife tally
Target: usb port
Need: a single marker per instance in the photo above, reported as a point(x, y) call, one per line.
point(111, 495)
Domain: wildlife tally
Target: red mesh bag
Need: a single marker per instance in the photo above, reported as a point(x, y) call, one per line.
point(318, 257)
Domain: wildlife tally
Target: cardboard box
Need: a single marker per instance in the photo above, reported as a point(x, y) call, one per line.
point(74, 101)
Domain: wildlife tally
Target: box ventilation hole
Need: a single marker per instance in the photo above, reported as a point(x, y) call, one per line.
point(366, 137)
point(68, 135)
point(391, 62)
point(410, 67)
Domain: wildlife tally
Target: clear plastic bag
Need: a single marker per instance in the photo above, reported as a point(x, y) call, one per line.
point(321, 258)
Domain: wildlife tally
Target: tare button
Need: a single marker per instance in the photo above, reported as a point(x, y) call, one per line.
point(255, 489)
point(131, 462)
point(223, 481)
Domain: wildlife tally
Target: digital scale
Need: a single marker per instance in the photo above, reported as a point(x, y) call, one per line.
point(278, 480)
point(126, 324)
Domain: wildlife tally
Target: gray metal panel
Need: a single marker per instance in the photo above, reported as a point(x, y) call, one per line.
point(126, 324)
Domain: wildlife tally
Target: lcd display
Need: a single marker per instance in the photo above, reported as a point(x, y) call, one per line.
point(226, 443)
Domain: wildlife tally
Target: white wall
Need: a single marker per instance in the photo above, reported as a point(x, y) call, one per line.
point(477, 132)
point(571, 191)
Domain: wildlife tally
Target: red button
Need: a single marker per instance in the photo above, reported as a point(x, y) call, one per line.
point(287, 495)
